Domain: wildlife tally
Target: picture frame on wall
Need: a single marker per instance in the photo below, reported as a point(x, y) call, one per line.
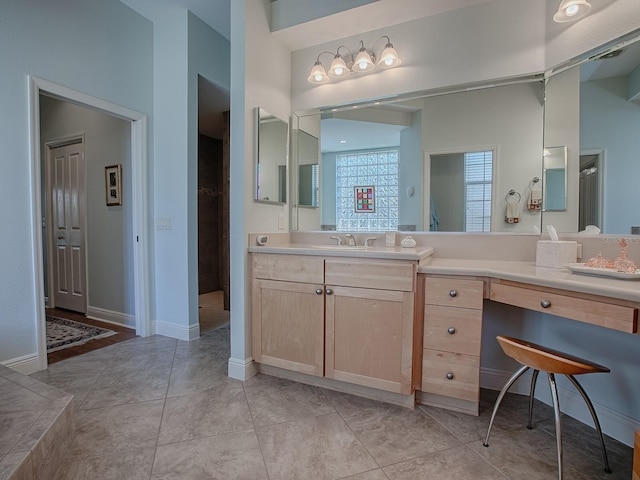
point(113, 184)
point(364, 199)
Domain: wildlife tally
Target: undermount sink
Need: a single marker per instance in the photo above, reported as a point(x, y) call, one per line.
point(339, 247)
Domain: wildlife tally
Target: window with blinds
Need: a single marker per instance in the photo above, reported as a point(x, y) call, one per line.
point(478, 174)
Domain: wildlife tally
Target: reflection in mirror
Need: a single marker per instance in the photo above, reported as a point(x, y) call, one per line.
point(388, 145)
point(308, 171)
point(594, 109)
point(461, 184)
point(271, 157)
point(554, 174)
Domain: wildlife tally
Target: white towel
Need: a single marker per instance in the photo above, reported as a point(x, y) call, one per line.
point(512, 214)
point(534, 202)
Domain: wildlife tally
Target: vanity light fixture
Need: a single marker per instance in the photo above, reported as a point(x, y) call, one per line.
point(570, 10)
point(343, 64)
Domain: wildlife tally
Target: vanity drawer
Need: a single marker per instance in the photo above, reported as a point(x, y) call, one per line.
point(379, 274)
point(454, 292)
point(464, 370)
point(618, 317)
point(452, 329)
point(290, 268)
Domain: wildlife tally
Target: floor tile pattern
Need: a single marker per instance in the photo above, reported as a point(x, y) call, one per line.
point(158, 408)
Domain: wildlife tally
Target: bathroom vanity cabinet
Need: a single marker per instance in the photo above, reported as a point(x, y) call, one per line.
point(451, 343)
point(348, 319)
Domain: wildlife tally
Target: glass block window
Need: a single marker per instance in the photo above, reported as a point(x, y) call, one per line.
point(376, 169)
point(478, 173)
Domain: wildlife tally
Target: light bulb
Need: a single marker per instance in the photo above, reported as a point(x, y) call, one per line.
point(317, 77)
point(362, 65)
point(388, 61)
point(572, 10)
point(339, 71)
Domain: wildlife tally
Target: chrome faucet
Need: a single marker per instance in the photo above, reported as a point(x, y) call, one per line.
point(368, 240)
point(337, 239)
point(351, 241)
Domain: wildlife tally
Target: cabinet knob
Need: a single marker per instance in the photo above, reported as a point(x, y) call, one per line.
point(453, 293)
point(449, 376)
point(329, 291)
point(451, 330)
point(545, 303)
point(318, 291)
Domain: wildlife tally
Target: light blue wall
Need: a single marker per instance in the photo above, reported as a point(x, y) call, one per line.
point(328, 189)
point(609, 121)
point(410, 174)
point(101, 48)
point(183, 48)
point(109, 229)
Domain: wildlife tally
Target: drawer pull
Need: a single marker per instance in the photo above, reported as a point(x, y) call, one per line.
point(449, 376)
point(329, 291)
point(545, 303)
point(318, 291)
point(453, 293)
point(451, 330)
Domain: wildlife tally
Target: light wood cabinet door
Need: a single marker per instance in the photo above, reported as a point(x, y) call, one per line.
point(369, 337)
point(288, 325)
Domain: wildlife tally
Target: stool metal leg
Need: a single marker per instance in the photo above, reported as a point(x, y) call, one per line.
point(534, 377)
point(595, 419)
point(511, 381)
point(558, 422)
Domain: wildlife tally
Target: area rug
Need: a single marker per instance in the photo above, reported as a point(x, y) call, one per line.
point(63, 333)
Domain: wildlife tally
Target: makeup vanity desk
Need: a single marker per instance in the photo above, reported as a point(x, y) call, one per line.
point(453, 293)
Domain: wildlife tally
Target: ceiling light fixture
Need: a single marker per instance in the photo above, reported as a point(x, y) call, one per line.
point(345, 63)
point(570, 10)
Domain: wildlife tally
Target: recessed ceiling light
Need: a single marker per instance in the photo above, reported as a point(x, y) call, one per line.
point(343, 141)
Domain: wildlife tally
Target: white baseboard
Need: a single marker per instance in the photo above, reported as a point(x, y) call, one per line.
point(613, 423)
point(26, 365)
point(176, 331)
point(109, 316)
point(242, 369)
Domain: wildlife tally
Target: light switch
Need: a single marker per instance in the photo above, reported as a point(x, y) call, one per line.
point(163, 223)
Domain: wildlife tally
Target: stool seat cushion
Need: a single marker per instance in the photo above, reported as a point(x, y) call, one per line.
point(547, 359)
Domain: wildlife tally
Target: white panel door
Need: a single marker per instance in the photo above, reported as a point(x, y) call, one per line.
point(67, 194)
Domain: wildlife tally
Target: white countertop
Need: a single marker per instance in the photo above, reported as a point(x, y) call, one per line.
point(527, 272)
point(417, 253)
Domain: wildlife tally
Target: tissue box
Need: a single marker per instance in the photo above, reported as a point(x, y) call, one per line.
point(556, 254)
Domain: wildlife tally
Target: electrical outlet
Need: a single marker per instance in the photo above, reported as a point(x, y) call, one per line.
point(281, 221)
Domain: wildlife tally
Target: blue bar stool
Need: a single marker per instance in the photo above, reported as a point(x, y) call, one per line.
point(552, 362)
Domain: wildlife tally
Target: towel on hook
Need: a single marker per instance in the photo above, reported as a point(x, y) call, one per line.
point(534, 200)
point(512, 214)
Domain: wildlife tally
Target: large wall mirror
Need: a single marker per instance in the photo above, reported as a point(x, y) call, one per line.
point(271, 157)
point(587, 110)
point(593, 107)
point(434, 161)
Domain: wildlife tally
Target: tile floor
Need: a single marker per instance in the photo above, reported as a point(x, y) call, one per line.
point(159, 408)
point(211, 312)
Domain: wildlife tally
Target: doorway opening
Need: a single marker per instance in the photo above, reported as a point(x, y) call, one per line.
point(213, 206)
point(590, 189)
point(134, 233)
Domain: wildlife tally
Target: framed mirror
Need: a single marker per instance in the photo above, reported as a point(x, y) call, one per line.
point(271, 157)
point(308, 170)
point(393, 146)
point(554, 177)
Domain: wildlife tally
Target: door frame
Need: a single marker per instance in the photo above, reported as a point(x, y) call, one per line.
point(139, 198)
point(48, 215)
